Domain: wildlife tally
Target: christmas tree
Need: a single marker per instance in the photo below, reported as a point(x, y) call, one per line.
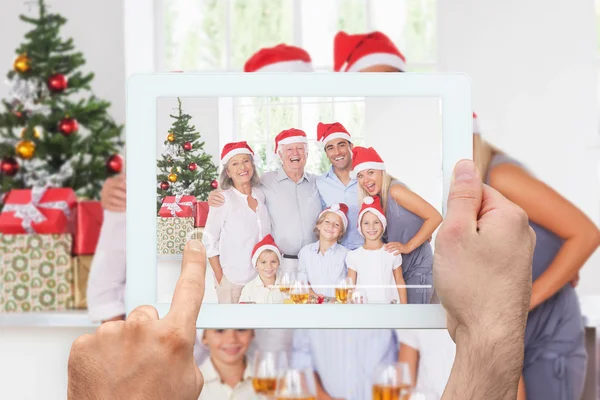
point(185, 169)
point(48, 138)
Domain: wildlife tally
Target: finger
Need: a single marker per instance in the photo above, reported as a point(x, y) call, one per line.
point(119, 194)
point(189, 291)
point(464, 198)
point(143, 314)
point(116, 205)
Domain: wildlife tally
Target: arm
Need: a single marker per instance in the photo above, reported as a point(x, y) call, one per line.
point(418, 206)
point(521, 395)
point(352, 274)
point(212, 237)
point(216, 198)
point(410, 356)
point(114, 194)
point(400, 282)
point(550, 210)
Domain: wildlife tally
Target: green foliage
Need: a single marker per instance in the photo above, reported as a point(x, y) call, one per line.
point(176, 160)
point(86, 150)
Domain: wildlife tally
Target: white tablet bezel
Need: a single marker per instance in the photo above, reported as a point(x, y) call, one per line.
point(453, 89)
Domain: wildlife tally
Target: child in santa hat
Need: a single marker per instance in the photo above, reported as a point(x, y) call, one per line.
point(266, 258)
point(371, 265)
point(323, 261)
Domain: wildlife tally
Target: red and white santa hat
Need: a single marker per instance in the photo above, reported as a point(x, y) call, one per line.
point(233, 149)
point(366, 158)
point(476, 128)
point(267, 243)
point(280, 58)
point(340, 209)
point(289, 136)
point(356, 52)
point(372, 204)
point(327, 132)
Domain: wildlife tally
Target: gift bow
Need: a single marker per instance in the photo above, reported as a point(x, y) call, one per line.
point(30, 212)
point(175, 207)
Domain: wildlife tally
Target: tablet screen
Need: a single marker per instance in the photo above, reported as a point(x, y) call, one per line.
point(316, 200)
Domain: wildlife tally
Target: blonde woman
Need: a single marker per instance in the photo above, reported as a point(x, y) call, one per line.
point(411, 220)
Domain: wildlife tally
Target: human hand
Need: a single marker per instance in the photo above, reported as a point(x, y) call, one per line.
point(113, 196)
point(216, 198)
point(575, 280)
point(397, 248)
point(482, 263)
point(145, 357)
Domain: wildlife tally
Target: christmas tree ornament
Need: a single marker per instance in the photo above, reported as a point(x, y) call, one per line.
point(179, 170)
point(36, 133)
point(214, 184)
point(68, 126)
point(114, 164)
point(57, 83)
point(164, 185)
point(22, 63)
point(171, 137)
point(25, 149)
point(187, 146)
point(192, 166)
point(172, 178)
point(9, 166)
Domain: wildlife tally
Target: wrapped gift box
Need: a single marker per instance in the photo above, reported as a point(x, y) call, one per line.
point(201, 214)
point(178, 206)
point(37, 273)
point(173, 233)
point(81, 271)
point(86, 225)
point(38, 210)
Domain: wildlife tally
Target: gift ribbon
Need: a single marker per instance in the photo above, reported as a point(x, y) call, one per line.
point(175, 207)
point(30, 212)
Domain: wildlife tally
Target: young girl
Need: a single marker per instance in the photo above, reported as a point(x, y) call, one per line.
point(323, 261)
point(371, 265)
point(227, 372)
point(266, 258)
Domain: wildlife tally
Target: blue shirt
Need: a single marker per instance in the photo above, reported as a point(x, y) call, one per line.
point(332, 190)
point(323, 269)
point(345, 359)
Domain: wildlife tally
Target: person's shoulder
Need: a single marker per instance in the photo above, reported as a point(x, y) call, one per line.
point(307, 248)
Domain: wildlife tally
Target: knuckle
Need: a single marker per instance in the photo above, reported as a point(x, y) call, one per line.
point(174, 339)
point(81, 344)
point(451, 231)
point(463, 194)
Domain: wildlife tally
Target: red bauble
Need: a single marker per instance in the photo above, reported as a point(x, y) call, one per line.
point(192, 166)
point(214, 184)
point(9, 166)
point(57, 83)
point(114, 164)
point(164, 185)
point(187, 146)
point(68, 126)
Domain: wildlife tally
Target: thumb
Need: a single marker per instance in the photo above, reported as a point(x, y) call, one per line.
point(464, 198)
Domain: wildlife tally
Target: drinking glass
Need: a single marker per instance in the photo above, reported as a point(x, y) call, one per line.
point(342, 291)
point(268, 365)
point(296, 384)
point(299, 291)
point(358, 297)
point(391, 381)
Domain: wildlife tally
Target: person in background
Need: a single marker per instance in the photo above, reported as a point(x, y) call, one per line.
point(367, 52)
point(266, 258)
point(323, 261)
point(280, 58)
point(227, 372)
point(232, 230)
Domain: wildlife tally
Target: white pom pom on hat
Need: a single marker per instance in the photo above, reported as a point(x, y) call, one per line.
point(368, 200)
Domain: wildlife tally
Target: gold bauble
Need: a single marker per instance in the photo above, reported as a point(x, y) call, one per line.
point(171, 137)
point(172, 177)
point(22, 63)
point(25, 149)
point(36, 133)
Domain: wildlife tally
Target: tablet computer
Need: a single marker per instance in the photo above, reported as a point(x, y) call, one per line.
point(277, 146)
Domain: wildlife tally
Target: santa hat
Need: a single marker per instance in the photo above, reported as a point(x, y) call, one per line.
point(366, 158)
point(476, 129)
point(288, 136)
point(233, 149)
point(357, 52)
point(372, 204)
point(268, 243)
point(280, 58)
point(327, 132)
point(340, 209)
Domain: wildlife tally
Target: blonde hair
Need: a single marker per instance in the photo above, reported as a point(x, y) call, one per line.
point(225, 182)
point(320, 221)
point(386, 183)
point(266, 252)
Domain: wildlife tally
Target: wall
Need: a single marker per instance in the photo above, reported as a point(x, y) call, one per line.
point(534, 89)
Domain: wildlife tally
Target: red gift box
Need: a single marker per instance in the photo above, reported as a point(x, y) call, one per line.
point(178, 206)
point(87, 224)
point(37, 210)
point(201, 214)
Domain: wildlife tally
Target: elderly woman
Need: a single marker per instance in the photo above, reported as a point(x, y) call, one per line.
point(233, 229)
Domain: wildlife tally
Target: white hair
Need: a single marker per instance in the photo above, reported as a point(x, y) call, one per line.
point(280, 149)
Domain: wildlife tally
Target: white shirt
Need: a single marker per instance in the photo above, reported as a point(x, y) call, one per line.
point(375, 268)
point(214, 389)
point(233, 230)
point(436, 355)
point(256, 291)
